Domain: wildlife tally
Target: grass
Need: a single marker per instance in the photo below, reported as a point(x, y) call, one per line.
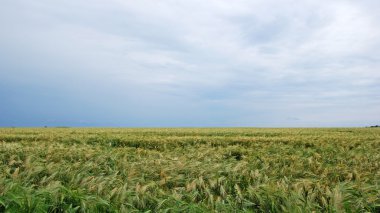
point(189, 170)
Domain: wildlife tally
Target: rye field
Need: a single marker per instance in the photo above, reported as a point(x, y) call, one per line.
point(189, 170)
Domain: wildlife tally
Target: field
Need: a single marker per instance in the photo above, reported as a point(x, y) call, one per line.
point(189, 170)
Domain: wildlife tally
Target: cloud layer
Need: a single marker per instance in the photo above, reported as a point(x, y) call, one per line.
point(189, 63)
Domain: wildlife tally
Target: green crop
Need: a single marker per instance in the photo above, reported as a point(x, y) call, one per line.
point(189, 170)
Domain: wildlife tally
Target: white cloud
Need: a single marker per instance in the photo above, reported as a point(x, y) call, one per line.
point(253, 57)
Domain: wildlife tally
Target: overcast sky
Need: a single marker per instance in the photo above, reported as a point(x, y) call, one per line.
point(189, 63)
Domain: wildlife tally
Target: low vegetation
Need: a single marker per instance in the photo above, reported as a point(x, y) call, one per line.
point(189, 170)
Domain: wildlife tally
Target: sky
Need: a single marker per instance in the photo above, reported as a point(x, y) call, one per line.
point(214, 63)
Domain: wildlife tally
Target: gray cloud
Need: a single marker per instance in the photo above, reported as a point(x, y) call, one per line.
point(170, 63)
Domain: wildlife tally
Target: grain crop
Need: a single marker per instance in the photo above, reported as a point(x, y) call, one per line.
point(189, 170)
